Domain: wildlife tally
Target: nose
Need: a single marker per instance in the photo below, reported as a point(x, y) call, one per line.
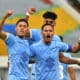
point(48, 33)
point(22, 27)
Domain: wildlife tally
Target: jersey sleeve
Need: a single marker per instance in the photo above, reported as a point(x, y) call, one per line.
point(10, 40)
point(65, 47)
point(35, 34)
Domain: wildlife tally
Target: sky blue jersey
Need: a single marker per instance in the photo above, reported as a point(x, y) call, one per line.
point(47, 59)
point(35, 36)
point(63, 67)
point(18, 53)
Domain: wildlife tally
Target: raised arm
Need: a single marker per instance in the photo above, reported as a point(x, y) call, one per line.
point(30, 11)
point(3, 34)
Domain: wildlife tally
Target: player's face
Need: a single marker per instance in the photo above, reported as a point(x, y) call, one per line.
point(21, 29)
point(49, 21)
point(47, 33)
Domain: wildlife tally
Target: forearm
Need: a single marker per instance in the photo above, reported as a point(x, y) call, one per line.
point(69, 61)
point(72, 61)
point(3, 34)
point(27, 16)
point(2, 22)
point(30, 11)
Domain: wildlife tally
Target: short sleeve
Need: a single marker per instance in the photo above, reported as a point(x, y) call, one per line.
point(10, 40)
point(65, 47)
point(35, 34)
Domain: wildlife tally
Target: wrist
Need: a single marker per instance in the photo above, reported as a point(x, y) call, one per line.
point(27, 14)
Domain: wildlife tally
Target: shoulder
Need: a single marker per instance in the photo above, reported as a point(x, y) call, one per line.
point(56, 38)
point(36, 44)
point(35, 34)
point(9, 35)
point(35, 47)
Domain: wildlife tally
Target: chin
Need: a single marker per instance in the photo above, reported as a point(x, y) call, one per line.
point(48, 42)
point(21, 35)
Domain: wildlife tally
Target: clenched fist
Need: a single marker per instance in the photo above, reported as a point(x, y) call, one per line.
point(31, 10)
point(8, 13)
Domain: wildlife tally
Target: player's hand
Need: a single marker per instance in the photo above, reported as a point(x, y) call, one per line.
point(31, 10)
point(8, 13)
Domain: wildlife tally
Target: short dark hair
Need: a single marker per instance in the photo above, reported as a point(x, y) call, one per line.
point(22, 20)
point(45, 25)
point(50, 15)
point(61, 38)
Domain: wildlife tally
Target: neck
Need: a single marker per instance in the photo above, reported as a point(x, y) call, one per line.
point(21, 37)
point(47, 43)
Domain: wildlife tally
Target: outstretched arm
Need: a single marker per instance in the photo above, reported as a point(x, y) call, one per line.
point(3, 34)
point(66, 60)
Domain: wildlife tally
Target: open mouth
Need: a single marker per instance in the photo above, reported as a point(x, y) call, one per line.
point(48, 36)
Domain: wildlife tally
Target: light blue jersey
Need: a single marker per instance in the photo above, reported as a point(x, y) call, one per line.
point(47, 59)
point(19, 52)
point(63, 68)
point(35, 36)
